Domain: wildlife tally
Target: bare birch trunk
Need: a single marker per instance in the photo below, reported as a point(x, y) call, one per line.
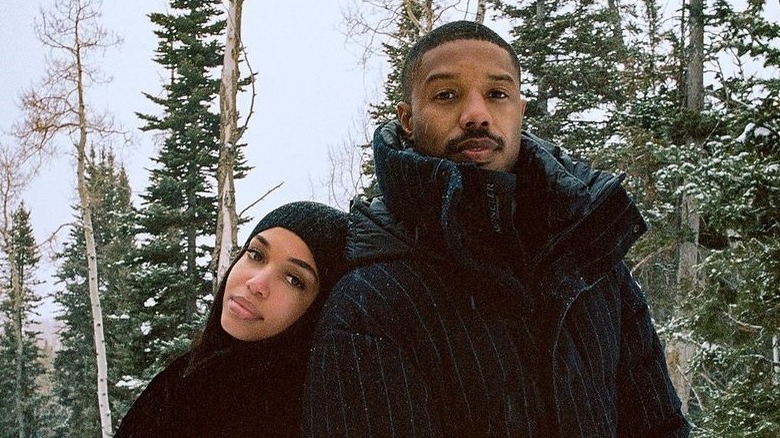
point(427, 14)
point(58, 107)
point(679, 351)
point(227, 219)
point(481, 8)
point(424, 22)
point(85, 203)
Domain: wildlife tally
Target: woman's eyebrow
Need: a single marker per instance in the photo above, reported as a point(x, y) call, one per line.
point(298, 262)
point(261, 240)
point(305, 266)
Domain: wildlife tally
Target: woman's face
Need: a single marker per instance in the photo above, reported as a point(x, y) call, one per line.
point(270, 287)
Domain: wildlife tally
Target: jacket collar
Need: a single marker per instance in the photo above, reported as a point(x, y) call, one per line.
point(443, 203)
point(549, 214)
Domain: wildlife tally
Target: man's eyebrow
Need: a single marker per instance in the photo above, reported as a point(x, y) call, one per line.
point(500, 77)
point(439, 76)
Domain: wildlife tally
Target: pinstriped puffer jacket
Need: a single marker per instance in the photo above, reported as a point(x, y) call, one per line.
point(489, 304)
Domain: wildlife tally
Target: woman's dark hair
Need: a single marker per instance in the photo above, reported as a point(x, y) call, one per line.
point(324, 230)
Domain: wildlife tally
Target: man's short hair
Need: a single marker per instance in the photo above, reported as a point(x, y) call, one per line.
point(457, 30)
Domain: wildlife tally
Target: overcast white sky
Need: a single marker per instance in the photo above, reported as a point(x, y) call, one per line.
point(311, 94)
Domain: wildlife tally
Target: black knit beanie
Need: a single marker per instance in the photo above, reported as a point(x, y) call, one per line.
point(322, 228)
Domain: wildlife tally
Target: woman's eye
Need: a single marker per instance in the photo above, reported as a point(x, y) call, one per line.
point(296, 282)
point(254, 254)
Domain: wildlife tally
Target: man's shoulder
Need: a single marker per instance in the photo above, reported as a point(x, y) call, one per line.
point(374, 234)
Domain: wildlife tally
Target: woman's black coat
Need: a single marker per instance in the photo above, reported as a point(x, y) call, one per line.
point(228, 388)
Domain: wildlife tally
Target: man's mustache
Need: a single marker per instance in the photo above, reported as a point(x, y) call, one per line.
point(454, 146)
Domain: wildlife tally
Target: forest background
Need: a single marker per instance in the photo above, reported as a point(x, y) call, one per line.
point(122, 200)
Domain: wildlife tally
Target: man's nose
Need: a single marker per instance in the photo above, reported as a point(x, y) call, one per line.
point(475, 113)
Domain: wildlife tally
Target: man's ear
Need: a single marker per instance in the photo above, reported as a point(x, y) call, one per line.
point(404, 112)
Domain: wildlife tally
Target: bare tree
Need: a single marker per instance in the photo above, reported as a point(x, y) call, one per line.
point(372, 23)
point(57, 110)
point(345, 179)
point(227, 220)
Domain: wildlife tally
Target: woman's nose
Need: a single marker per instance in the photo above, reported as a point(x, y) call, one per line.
point(259, 283)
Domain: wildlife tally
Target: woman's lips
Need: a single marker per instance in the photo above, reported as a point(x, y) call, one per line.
point(243, 308)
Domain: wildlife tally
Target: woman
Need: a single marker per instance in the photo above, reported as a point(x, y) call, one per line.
point(245, 375)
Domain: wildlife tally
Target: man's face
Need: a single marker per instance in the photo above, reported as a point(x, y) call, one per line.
point(466, 105)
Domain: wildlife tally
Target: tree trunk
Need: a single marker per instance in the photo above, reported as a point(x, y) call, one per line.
point(227, 219)
point(17, 292)
point(776, 360)
point(71, 30)
point(679, 351)
point(620, 44)
point(481, 7)
point(85, 203)
point(427, 14)
point(424, 22)
point(542, 92)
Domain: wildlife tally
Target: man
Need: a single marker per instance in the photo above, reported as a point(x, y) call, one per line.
point(489, 297)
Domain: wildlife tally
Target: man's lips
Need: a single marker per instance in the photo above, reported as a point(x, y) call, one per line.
point(243, 308)
point(476, 150)
point(479, 143)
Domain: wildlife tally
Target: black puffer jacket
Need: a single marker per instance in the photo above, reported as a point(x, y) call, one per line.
point(488, 304)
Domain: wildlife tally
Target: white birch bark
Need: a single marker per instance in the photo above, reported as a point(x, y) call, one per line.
point(85, 205)
point(58, 107)
point(481, 8)
point(227, 228)
point(18, 300)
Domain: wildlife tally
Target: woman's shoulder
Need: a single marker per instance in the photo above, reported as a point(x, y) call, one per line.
point(149, 413)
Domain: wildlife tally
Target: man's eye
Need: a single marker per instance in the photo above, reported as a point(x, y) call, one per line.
point(498, 94)
point(444, 95)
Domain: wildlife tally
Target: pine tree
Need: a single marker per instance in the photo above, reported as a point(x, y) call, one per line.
point(22, 402)
point(74, 364)
point(178, 214)
point(572, 55)
point(736, 316)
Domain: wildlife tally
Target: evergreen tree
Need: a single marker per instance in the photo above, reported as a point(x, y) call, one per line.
point(23, 406)
point(74, 365)
point(573, 56)
point(735, 318)
point(730, 314)
point(178, 214)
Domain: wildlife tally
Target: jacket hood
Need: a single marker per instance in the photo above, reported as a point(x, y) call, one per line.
point(532, 211)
